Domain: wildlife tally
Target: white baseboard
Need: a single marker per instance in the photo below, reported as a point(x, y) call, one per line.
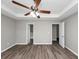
point(42, 43)
point(12, 46)
point(72, 51)
point(7, 48)
point(21, 43)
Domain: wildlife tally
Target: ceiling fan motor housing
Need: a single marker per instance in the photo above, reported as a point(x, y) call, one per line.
point(34, 8)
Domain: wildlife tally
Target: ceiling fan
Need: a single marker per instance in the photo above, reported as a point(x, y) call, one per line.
point(34, 8)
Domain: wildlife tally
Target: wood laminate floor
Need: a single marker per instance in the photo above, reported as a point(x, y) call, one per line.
point(38, 52)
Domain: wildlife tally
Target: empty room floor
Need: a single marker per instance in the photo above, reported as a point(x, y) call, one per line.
point(54, 51)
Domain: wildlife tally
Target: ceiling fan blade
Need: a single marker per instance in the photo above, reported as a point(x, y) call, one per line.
point(44, 11)
point(37, 2)
point(27, 14)
point(20, 4)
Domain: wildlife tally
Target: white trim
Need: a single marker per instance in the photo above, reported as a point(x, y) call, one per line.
point(72, 51)
point(8, 48)
point(42, 43)
point(68, 8)
point(21, 43)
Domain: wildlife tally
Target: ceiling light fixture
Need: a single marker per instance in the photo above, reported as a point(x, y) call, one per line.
point(34, 8)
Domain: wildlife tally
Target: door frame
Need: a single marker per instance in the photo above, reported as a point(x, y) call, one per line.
point(28, 32)
point(59, 34)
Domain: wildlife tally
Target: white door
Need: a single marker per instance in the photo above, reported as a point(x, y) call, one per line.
point(61, 35)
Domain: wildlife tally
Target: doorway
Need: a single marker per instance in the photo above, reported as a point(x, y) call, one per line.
point(55, 33)
point(31, 34)
point(58, 34)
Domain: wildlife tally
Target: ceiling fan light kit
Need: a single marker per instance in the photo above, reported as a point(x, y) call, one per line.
point(32, 13)
point(34, 8)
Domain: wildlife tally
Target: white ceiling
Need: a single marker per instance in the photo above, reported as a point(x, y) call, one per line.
point(59, 8)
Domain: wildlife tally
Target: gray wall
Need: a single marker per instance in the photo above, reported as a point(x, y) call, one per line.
point(71, 32)
point(7, 32)
point(43, 32)
point(22, 33)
